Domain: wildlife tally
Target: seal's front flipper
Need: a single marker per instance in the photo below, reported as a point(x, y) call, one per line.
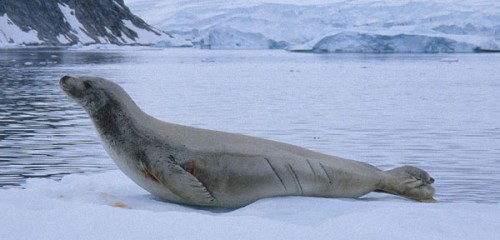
point(179, 181)
point(410, 182)
point(187, 186)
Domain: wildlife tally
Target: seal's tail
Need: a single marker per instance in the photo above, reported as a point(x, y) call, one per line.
point(410, 182)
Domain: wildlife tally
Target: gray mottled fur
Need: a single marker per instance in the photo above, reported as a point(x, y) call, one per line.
point(209, 168)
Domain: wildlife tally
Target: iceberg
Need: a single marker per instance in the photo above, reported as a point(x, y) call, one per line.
point(352, 42)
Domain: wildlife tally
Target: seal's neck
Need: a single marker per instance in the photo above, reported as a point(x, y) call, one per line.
point(118, 118)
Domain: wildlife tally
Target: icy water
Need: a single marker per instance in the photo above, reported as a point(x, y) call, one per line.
point(437, 112)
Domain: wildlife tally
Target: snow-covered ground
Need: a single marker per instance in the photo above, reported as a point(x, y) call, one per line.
point(329, 26)
point(110, 206)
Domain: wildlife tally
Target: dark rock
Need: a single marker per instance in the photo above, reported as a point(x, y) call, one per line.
point(100, 21)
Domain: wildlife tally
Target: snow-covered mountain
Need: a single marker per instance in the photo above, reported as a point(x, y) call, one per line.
point(69, 22)
point(318, 26)
point(329, 26)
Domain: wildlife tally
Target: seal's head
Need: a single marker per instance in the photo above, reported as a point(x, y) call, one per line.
point(93, 93)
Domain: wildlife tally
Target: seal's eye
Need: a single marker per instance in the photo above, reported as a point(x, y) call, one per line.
point(87, 85)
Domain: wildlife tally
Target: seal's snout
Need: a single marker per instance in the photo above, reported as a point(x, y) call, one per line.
point(64, 82)
point(71, 85)
point(89, 92)
point(64, 79)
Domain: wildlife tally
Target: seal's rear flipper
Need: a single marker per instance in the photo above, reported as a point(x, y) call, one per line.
point(410, 182)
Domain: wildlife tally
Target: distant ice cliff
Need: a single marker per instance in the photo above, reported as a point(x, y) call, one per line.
point(407, 26)
point(329, 26)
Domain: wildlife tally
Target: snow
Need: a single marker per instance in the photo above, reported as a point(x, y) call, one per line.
point(231, 38)
point(110, 206)
point(76, 27)
point(301, 25)
point(150, 37)
point(143, 36)
point(459, 26)
point(402, 43)
point(10, 33)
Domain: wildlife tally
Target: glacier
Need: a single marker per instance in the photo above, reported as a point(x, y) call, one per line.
point(329, 26)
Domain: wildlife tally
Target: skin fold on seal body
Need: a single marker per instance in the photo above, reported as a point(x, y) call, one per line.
point(202, 167)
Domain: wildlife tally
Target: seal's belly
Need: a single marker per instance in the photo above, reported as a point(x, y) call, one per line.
point(130, 167)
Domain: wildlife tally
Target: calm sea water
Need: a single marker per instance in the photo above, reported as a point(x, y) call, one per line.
point(437, 112)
